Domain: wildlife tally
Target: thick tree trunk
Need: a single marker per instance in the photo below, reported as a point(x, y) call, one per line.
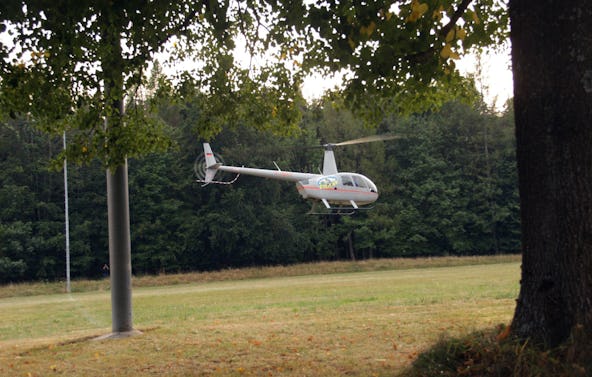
point(552, 63)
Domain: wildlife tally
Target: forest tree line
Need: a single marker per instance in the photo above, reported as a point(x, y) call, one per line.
point(448, 186)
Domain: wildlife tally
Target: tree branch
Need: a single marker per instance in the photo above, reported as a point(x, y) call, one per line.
point(462, 7)
point(422, 56)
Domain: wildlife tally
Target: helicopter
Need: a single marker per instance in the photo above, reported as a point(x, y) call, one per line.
point(341, 193)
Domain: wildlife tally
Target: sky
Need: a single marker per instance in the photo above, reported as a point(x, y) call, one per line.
point(497, 80)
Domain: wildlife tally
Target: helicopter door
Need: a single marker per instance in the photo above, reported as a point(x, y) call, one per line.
point(346, 180)
point(360, 182)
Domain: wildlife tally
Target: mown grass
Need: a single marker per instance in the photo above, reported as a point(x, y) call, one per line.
point(369, 323)
point(46, 288)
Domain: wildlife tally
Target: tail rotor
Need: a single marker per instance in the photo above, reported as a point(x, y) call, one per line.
point(206, 166)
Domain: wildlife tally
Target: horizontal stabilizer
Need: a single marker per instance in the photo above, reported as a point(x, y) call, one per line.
point(210, 174)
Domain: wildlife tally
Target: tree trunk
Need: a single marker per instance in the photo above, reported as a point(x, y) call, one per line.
point(350, 246)
point(552, 63)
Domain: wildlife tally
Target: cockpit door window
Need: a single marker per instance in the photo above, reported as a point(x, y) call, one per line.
point(346, 180)
point(360, 182)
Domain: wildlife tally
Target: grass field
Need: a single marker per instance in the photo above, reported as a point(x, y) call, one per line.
point(371, 323)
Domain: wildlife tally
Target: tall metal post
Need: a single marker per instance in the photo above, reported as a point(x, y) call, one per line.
point(67, 220)
point(119, 249)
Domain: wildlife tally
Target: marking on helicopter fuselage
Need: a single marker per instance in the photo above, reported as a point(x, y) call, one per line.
point(336, 189)
point(327, 183)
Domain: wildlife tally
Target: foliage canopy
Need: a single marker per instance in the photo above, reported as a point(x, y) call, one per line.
point(70, 65)
point(74, 64)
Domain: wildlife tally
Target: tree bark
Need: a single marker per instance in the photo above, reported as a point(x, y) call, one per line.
point(552, 64)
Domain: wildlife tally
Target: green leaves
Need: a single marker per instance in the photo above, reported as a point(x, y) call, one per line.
point(86, 55)
point(398, 49)
point(86, 58)
point(457, 191)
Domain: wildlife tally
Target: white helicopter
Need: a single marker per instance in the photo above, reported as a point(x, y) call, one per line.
point(340, 192)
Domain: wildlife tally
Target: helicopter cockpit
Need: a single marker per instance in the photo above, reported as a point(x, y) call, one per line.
point(340, 188)
point(356, 180)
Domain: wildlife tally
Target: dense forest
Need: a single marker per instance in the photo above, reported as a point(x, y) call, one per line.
point(447, 187)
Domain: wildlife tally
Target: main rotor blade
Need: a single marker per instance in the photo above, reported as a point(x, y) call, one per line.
point(369, 139)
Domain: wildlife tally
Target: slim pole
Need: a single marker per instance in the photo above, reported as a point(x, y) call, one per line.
point(67, 220)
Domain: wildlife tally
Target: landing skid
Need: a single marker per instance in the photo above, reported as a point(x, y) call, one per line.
point(327, 210)
point(345, 211)
point(205, 183)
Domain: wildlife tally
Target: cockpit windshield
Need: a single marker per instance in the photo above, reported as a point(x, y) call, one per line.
point(357, 180)
point(360, 181)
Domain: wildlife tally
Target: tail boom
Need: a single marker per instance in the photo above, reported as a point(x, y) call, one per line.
point(213, 166)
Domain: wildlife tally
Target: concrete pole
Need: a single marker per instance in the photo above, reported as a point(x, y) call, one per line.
point(120, 266)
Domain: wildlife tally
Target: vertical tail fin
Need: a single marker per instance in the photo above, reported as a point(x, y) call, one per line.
point(210, 159)
point(211, 168)
point(211, 163)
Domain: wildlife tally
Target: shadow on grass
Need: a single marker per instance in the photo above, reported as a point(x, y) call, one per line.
point(493, 353)
point(88, 338)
